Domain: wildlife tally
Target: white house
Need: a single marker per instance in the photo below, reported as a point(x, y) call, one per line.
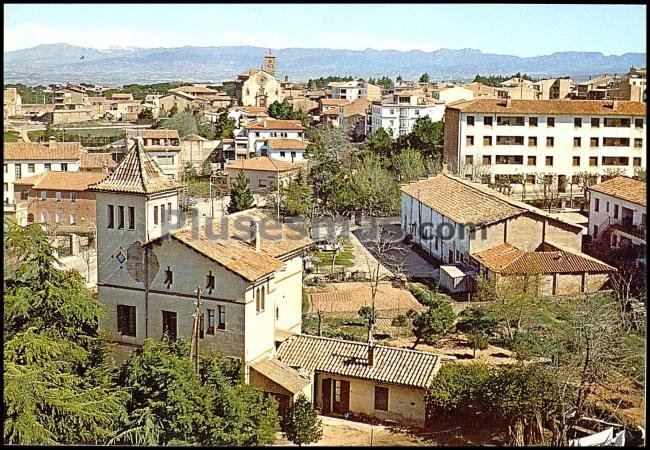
point(617, 211)
point(258, 133)
point(354, 90)
point(164, 146)
point(400, 111)
point(248, 269)
point(545, 137)
point(289, 150)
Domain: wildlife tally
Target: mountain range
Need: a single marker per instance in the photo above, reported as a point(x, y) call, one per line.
point(60, 63)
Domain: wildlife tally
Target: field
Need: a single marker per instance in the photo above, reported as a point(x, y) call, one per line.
point(88, 138)
point(11, 136)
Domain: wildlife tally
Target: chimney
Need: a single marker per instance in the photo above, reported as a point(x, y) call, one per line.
point(614, 104)
point(286, 78)
point(52, 142)
point(508, 102)
point(255, 234)
point(371, 354)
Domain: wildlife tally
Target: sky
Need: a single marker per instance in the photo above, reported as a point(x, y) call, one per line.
point(521, 30)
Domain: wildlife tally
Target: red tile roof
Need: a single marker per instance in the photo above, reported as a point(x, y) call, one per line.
point(272, 124)
point(97, 161)
point(554, 107)
point(154, 134)
point(548, 258)
point(624, 188)
point(289, 144)
point(263, 163)
point(32, 151)
point(391, 365)
point(137, 173)
point(62, 181)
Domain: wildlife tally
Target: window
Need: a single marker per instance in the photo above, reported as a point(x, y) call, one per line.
point(577, 142)
point(392, 111)
point(6, 168)
point(616, 142)
point(595, 122)
point(110, 211)
point(283, 154)
point(162, 214)
point(530, 179)
point(532, 141)
point(210, 329)
point(126, 320)
point(593, 142)
point(469, 160)
point(155, 215)
point(549, 160)
point(576, 161)
point(510, 121)
point(607, 207)
point(636, 162)
point(550, 122)
point(532, 160)
point(293, 155)
point(201, 325)
point(120, 217)
point(638, 123)
point(169, 324)
point(615, 161)
point(58, 196)
point(381, 398)
point(73, 197)
point(73, 218)
point(337, 391)
point(222, 317)
point(638, 142)
point(470, 120)
point(487, 160)
point(18, 171)
point(615, 122)
point(131, 218)
point(43, 196)
point(209, 282)
point(262, 182)
point(509, 159)
point(64, 167)
point(487, 140)
point(30, 168)
point(593, 161)
point(48, 166)
point(597, 205)
point(6, 187)
point(169, 213)
point(577, 122)
point(510, 140)
point(470, 140)
point(532, 121)
point(615, 211)
point(550, 142)
point(595, 230)
point(487, 121)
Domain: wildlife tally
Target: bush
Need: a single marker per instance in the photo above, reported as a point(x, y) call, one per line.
point(476, 320)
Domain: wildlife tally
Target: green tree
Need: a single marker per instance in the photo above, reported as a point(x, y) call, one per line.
point(189, 171)
point(476, 320)
point(301, 424)
point(399, 78)
point(205, 128)
point(426, 136)
point(424, 78)
point(372, 188)
point(184, 123)
point(379, 142)
point(240, 194)
point(478, 341)
point(432, 324)
point(57, 389)
point(408, 165)
point(296, 197)
point(279, 110)
point(173, 110)
point(206, 168)
point(145, 116)
point(225, 127)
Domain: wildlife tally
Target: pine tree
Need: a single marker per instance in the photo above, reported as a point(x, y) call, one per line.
point(240, 195)
point(301, 424)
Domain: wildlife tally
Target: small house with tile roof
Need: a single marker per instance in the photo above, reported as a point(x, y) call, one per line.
point(262, 172)
point(247, 266)
point(617, 212)
point(454, 220)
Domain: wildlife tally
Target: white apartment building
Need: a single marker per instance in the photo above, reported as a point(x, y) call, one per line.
point(617, 212)
point(545, 137)
point(257, 134)
point(399, 113)
point(354, 90)
point(22, 160)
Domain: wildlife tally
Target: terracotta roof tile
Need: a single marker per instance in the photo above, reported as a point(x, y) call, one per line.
point(548, 258)
point(347, 358)
point(554, 107)
point(272, 124)
point(460, 202)
point(334, 102)
point(62, 181)
point(263, 163)
point(624, 188)
point(23, 151)
point(280, 373)
point(97, 161)
point(154, 134)
point(190, 89)
point(289, 144)
point(137, 173)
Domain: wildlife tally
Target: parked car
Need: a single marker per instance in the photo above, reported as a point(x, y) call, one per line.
point(325, 246)
point(188, 202)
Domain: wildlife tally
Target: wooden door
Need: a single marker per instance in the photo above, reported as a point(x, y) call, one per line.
point(327, 395)
point(341, 396)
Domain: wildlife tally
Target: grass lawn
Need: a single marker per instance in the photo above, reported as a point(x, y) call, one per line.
point(11, 136)
point(351, 329)
point(345, 258)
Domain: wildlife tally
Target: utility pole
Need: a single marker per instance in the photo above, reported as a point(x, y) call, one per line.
point(194, 345)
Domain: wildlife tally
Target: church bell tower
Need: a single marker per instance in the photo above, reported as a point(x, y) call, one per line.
point(269, 63)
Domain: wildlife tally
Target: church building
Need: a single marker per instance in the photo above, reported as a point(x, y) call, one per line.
point(258, 87)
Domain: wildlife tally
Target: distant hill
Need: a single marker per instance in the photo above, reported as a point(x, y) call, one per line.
point(58, 63)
